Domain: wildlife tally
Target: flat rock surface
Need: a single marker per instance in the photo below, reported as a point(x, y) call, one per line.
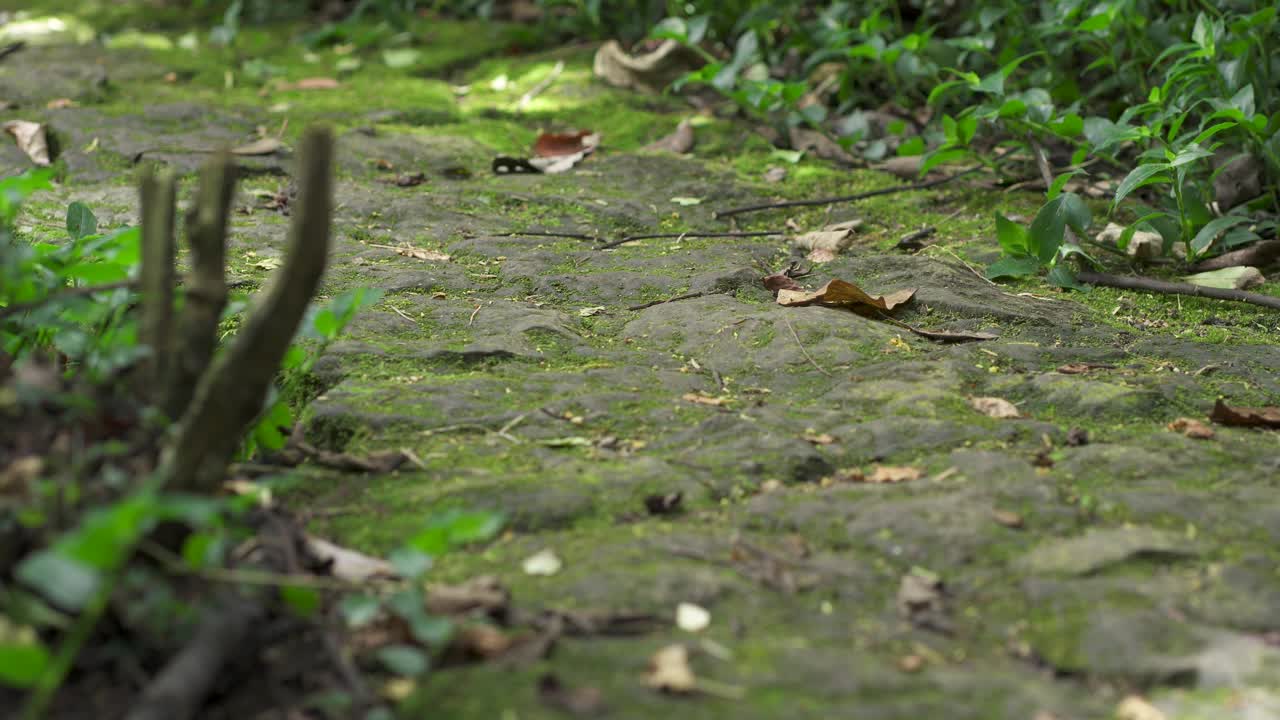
point(1084, 550)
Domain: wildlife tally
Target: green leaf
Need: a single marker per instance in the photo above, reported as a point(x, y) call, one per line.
point(1050, 224)
point(1012, 236)
point(1189, 154)
point(23, 659)
point(1101, 21)
point(940, 156)
point(1060, 182)
point(1138, 177)
point(1061, 276)
point(359, 610)
point(302, 601)
point(410, 562)
point(399, 58)
point(81, 221)
point(1020, 266)
point(1012, 108)
point(403, 660)
point(1213, 130)
point(1212, 229)
point(941, 89)
point(912, 146)
point(66, 582)
point(1071, 125)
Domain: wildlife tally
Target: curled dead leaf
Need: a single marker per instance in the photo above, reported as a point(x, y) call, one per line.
point(313, 83)
point(818, 438)
point(780, 281)
point(582, 701)
point(1137, 708)
point(995, 407)
point(349, 565)
point(700, 398)
point(650, 72)
point(888, 474)
point(31, 140)
point(839, 293)
point(1191, 428)
point(823, 245)
point(680, 141)
point(1007, 518)
point(261, 146)
point(550, 145)
point(483, 595)
point(669, 671)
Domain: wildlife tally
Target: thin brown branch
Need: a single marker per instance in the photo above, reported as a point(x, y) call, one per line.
point(847, 198)
point(157, 191)
point(1257, 255)
point(653, 236)
point(1176, 288)
point(651, 303)
point(230, 395)
point(206, 284)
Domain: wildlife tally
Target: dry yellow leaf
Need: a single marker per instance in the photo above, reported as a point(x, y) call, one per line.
point(704, 399)
point(1191, 428)
point(669, 671)
point(887, 474)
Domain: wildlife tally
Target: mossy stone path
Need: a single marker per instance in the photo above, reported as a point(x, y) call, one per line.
point(1073, 573)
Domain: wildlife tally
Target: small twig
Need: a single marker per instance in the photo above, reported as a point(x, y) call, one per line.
point(403, 314)
point(911, 239)
point(801, 346)
point(686, 296)
point(67, 294)
point(652, 236)
point(720, 214)
point(971, 268)
point(548, 233)
point(1175, 288)
point(541, 87)
point(475, 312)
point(11, 48)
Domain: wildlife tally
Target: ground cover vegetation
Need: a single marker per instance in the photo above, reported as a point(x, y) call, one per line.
point(146, 562)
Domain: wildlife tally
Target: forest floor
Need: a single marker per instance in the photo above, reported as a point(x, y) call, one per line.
point(868, 544)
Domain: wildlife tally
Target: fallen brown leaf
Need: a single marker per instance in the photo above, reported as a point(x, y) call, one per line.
point(823, 245)
point(887, 474)
point(315, 83)
point(664, 504)
point(704, 399)
point(412, 179)
point(818, 438)
point(669, 671)
point(550, 145)
point(483, 595)
point(1264, 417)
point(31, 140)
point(1136, 708)
point(1191, 428)
point(780, 281)
point(995, 407)
point(840, 293)
point(775, 174)
point(480, 641)
point(910, 663)
point(60, 103)
point(906, 167)
point(584, 701)
point(1007, 518)
point(349, 565)
point(679, 141)
point(951, 336)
